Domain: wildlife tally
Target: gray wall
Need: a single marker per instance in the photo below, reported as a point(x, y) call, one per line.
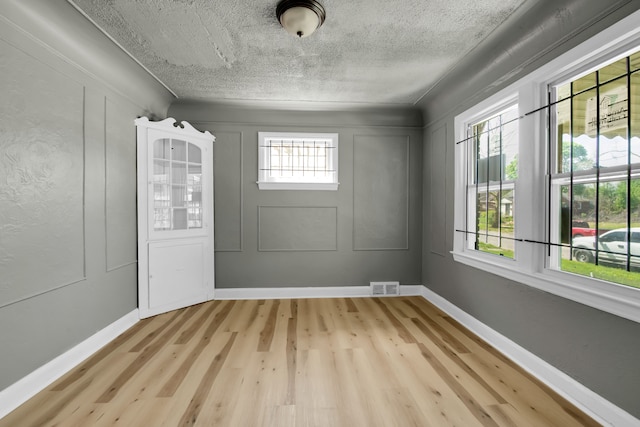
point(597, 349)
point(67, 202)
point(67, 181)
point(368, 230)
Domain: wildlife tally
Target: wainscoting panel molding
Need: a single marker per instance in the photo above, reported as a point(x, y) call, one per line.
point(438, 189)
point(42, 172)
point(381, 192)
point(297, 228)
point(229, 190)
point(120, 194)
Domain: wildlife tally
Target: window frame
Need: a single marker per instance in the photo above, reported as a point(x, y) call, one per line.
point(473, 188)
point(530, 266)
point(268, 183)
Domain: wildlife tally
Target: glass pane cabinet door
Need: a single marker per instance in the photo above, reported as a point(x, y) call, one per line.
point(177, 185)
point(175, 216)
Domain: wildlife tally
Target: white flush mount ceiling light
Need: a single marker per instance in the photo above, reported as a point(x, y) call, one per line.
point(300, 17)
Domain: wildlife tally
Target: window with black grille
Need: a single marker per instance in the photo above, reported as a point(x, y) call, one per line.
point(595, 170)
point(553, 187)
point(297, 161)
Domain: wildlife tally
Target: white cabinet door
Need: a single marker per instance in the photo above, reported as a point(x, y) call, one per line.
point(176, 274)
point(175, 216)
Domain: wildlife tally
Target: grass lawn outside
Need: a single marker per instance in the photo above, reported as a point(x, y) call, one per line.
point(610, 274)
point(495, 230)
point(492, 249)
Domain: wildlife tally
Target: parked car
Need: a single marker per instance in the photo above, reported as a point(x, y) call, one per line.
point(612, 247)
point(581, 229)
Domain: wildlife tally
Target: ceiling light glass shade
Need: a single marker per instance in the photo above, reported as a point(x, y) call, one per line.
point(300, 17)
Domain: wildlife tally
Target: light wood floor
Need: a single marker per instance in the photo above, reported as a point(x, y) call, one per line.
point(318, 362)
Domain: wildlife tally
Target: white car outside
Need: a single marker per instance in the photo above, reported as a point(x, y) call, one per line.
point(612, 248)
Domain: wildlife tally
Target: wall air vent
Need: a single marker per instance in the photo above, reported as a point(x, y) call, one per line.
point(384, 288)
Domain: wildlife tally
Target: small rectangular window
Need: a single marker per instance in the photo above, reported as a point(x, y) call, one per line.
point(297, 161)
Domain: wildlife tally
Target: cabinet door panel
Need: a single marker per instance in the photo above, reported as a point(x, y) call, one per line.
point(176, 273)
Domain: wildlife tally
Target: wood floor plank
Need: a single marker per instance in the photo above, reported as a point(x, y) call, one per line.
point(281, 416)
point(351, 389)
point(266, 335)
point(466, 398)
point(292, 361)
point(224, 401)
point(50, 408)
point(439, 402)
point(263, 386)
point(537, 402)
point(454, 357)
point(445, 336)
point(132, 407)
point(178, 375)
point(168, 323)
point(403, 332)
point(351, 307)
point(120, 341)
point(187, 334)
point(175, 406)
point(245, 346)
point(504, 414)
point(190, 415)
point(144, 356)
point(303, 362)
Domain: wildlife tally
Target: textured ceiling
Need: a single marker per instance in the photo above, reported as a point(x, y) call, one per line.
point(367, 51)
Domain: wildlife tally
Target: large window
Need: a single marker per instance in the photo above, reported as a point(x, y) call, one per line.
point(297, 161)
point(547, 180)
point(595, 191)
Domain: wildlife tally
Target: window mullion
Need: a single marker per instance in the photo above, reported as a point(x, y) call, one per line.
point(500, 169)
point(629, 134)
point(597, 207)
point(477, 185)
point(549, 174)
point(571, 177)
point(470, 152)
point(488, 181)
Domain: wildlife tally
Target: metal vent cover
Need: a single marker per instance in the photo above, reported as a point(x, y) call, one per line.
point(384, 288)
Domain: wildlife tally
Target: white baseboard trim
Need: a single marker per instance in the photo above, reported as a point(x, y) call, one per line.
point(25, 388)
point(591, 403)
point(310, 292)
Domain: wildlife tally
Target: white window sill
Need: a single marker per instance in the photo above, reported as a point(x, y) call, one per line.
point(623, 301)
point(297, 186)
